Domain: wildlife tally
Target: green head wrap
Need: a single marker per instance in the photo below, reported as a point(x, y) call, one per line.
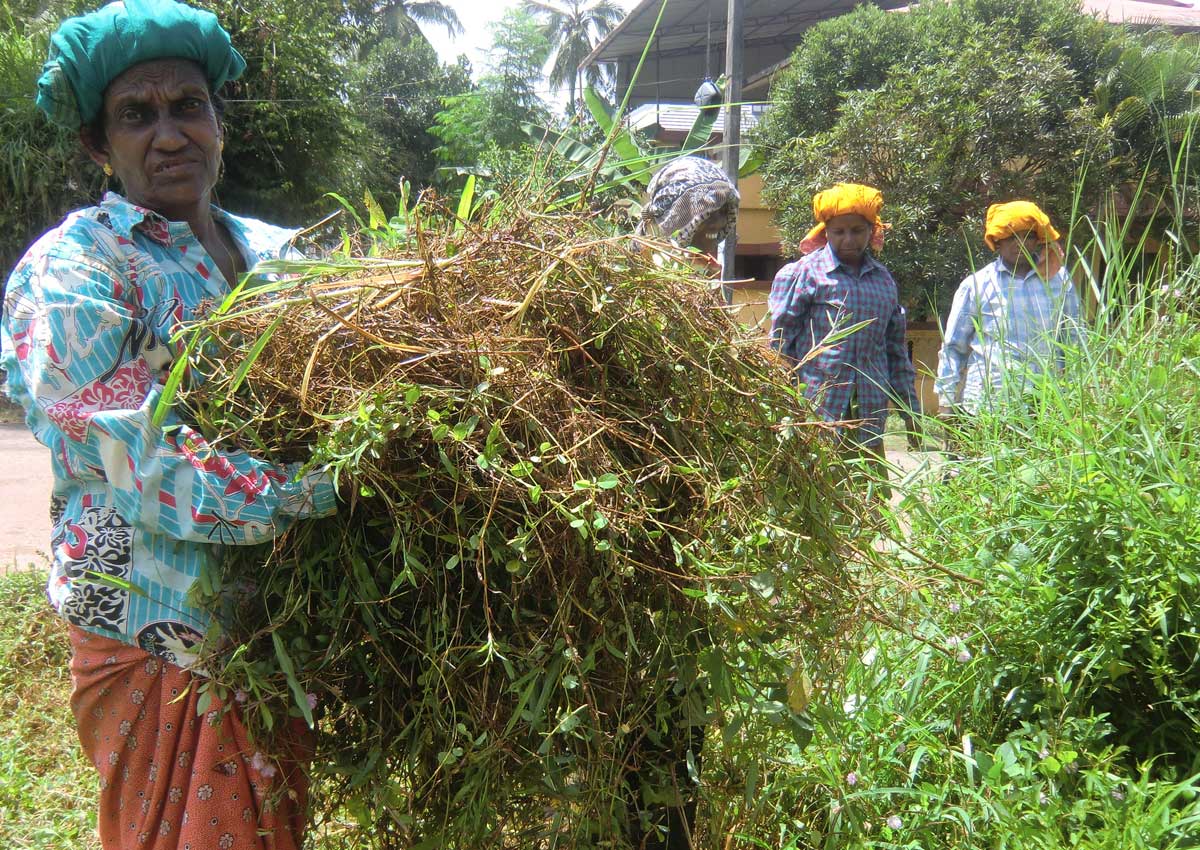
point(90, 51)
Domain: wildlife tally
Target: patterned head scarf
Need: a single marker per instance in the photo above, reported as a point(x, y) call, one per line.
point(842, 199)
point(90, 51)
point(1005, 220)
point(684, 194)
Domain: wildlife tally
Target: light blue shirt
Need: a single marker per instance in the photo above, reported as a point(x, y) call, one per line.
point(138, 509)
point(1002, 330)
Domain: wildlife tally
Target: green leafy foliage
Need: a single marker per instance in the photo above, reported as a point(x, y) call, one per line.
point(580, 514)
point(401, 87)
point(491, 116)
point(43, 169)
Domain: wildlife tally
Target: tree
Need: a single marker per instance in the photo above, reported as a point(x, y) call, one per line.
point(44, 171)
point(292, 134)
point(379, 21)
point(573, 28)
point(400, 87)
point(950, 107)
point(493, 114)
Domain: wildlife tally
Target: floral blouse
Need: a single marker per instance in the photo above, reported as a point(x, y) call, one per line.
point(138, 509)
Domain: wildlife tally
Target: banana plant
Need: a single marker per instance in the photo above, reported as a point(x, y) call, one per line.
point(630, 161)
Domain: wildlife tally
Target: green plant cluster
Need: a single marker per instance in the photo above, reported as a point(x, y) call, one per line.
point(950, 107)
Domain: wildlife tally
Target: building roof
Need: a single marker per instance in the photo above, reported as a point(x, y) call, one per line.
point(1176, 14)
point(689, 26)
point(679, 117)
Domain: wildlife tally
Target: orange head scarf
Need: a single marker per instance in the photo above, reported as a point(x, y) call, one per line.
point(842, 199)
point(1018, 217)
point(1005, 220)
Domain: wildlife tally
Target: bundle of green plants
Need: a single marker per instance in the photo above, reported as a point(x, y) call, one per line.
point(582, 515)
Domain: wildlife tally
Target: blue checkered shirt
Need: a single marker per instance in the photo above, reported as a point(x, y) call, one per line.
point(1002, 330)
point(812, 297)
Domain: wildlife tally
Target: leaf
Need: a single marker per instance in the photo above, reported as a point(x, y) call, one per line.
point(799, 689)
point(608, 481)
point(106, 580)
point(285, 664)
point(602, 113)
point(465, 200)
point(253, 355)
point(377, 220)
point(750, 160)
point(702, 127)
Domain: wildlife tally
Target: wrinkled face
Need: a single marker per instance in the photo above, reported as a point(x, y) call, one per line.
point(1017, 250)
point(162, 136)
point(849, 235)
point(705, 238)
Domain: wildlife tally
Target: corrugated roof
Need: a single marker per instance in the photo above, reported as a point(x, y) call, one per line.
point(1177, 14)
point(679, 117)
point(688, 26)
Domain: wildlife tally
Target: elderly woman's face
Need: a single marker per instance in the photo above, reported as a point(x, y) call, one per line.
point(162, 136)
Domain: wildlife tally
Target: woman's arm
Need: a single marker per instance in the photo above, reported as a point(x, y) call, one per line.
point(91, 367)
point(956, 346)
point(789, 303)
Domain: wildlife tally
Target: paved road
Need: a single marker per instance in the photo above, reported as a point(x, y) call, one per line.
point(24, 498)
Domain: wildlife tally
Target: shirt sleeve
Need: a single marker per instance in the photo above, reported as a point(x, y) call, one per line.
point(92, 366)
point(1070, 330)
point(956, 345)
point(902, 376)
point(789, 302)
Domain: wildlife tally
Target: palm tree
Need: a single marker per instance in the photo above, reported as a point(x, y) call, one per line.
point(398, 17)
point(381, 20)
point(573, 28)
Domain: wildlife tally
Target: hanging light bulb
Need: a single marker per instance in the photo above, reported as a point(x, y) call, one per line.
point(708, 94)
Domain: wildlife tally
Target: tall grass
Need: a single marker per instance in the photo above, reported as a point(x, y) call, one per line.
point(47, 788)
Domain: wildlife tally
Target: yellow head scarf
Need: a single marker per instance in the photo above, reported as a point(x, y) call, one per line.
point(1005, 220)
point(842, 199)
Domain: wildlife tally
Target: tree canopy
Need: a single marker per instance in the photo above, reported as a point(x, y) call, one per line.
point(491, 116)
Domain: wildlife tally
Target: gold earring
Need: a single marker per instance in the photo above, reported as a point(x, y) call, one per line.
point(107, 169)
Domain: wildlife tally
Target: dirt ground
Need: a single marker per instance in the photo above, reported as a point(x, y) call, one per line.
point(24, 498)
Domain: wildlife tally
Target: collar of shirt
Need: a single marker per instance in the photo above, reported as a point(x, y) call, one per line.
point(125, 216)
point(826, 261)
point(1003, 269)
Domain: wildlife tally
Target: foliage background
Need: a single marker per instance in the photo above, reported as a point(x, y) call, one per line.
point(953, 106)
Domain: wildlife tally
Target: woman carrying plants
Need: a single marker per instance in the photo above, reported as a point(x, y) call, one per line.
point(140, 507)
point(839, 286)
point(694, 204)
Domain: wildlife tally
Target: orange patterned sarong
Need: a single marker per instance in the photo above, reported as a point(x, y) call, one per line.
point(171, 779)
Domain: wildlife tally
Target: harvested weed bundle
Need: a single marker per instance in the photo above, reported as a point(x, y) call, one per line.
point(580, 515)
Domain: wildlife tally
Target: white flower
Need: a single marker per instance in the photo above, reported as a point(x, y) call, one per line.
point(894, 822)
point(852, 778)
point(963, 656)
